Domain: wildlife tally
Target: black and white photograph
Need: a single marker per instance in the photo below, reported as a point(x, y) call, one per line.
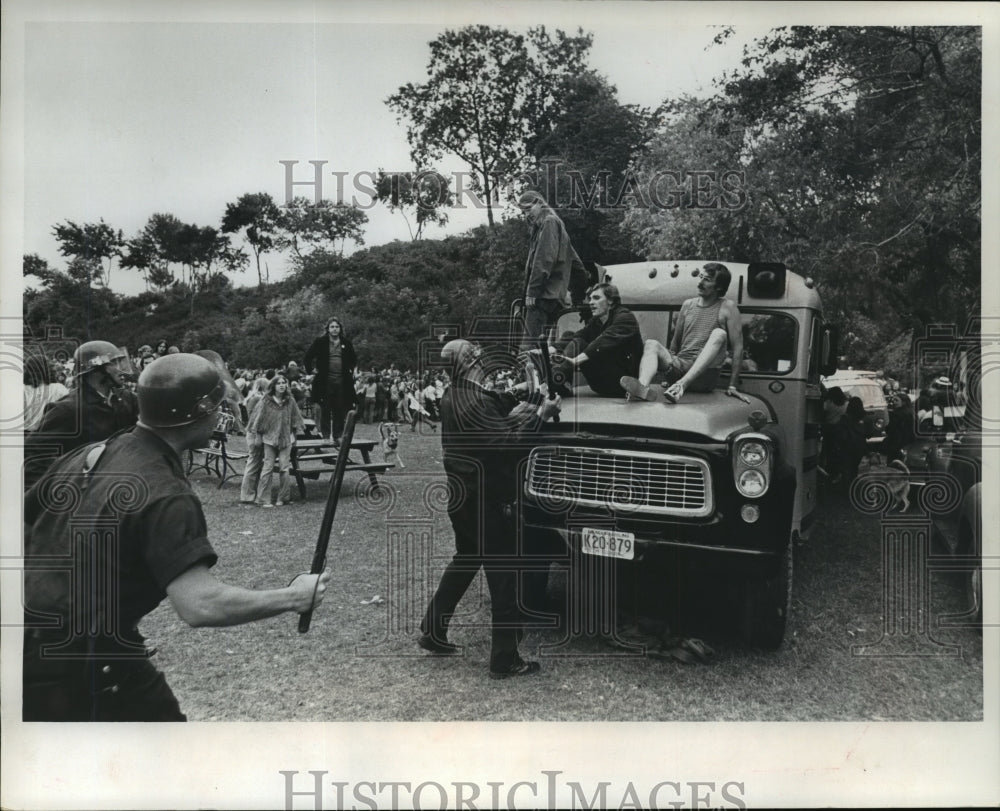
point(558, 404)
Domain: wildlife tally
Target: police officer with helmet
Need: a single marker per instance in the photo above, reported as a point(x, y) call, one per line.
point(98, 405)
point(110, 530)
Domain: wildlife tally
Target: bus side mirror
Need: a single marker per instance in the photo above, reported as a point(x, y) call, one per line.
point(828, 353)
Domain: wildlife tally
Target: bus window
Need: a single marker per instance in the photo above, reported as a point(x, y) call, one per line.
point(769, 342)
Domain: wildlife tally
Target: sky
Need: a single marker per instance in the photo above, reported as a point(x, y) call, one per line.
point(126, 119)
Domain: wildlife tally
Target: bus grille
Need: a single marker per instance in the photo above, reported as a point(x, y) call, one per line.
point(624, 481)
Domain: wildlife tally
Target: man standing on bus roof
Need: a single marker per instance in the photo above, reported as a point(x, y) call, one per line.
point(704, 325)
point(553, 267)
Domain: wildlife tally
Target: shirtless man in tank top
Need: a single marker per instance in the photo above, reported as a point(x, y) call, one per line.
point(704, 326)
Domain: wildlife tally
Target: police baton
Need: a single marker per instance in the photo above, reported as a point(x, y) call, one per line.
point(332, 497)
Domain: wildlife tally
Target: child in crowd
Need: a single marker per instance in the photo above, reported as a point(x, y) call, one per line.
point(277, 420)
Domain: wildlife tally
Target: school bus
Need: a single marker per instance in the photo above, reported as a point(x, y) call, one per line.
point(727, 483)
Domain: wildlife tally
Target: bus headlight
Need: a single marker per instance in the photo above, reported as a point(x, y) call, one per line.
point(753, 454)
point(753, 464)
point(752, 483)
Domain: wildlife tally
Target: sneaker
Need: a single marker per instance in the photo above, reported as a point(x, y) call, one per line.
point(279, 503)
point(638, 391)
point(519, 668)
point(429, 643)
point(265, 505)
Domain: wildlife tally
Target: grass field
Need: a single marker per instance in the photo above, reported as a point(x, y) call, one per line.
point(359, 661)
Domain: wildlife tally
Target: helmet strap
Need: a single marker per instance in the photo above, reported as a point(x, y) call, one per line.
point(102, 382)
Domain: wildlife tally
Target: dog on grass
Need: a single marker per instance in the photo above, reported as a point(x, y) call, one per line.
point(895, 475)
point(389, 431)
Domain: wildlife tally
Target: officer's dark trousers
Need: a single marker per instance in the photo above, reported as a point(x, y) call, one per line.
point(497, 555)
point(62, 686)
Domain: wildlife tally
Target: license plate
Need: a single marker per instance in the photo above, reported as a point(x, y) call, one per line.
point(608, 544)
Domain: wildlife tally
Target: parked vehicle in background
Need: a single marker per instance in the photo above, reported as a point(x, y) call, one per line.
point(869, 388)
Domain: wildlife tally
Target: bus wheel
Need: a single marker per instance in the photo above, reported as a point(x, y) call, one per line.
point(766, 603)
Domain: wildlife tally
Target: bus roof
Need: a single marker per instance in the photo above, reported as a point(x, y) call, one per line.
point(669, 282)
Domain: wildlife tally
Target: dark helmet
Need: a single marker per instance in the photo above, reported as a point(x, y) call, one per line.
point(95, 354)
point(233, 394)
point(178, 390)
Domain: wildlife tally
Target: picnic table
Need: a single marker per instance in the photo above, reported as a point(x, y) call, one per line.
point(314, 456)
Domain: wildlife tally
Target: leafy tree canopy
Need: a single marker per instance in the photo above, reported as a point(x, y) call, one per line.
point(488, 92)
point(858, 153)
point(259, 218)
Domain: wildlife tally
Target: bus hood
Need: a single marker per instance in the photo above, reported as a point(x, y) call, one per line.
point(712, 415)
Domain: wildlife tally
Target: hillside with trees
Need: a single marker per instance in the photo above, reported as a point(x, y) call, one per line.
point(851, 154)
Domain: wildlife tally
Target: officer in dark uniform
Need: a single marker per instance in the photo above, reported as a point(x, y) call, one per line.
point(481, 431)
point(98, 405)
point(110, 530)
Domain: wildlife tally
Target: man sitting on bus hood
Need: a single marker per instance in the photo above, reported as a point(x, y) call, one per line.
point(607, 346)
point(697, 346)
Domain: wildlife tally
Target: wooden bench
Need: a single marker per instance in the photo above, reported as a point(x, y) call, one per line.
point(216, 456)
point(313, 457)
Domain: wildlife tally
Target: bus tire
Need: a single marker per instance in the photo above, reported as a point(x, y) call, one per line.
point(766, 603)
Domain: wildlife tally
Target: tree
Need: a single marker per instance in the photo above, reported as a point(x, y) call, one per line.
point(207, 254)
point(855, 155)
point(154, 248)
point(319, 224)
point(35, 266)
point(887, 123)
point(488, 91)
point(426, 192)
point(259, 219)
point(90, 243)
point(68, 298)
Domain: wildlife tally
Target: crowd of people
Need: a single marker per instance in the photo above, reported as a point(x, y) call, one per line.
point(379, 395)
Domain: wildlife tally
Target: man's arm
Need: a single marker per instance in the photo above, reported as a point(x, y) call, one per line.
point(678, 330)
point(583, 337)
point(203, 601)
point(734, 330)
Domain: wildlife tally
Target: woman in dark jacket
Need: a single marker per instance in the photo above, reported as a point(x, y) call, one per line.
point(333, 359)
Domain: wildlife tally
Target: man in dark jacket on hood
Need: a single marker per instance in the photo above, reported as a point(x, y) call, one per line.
point(606, 349)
